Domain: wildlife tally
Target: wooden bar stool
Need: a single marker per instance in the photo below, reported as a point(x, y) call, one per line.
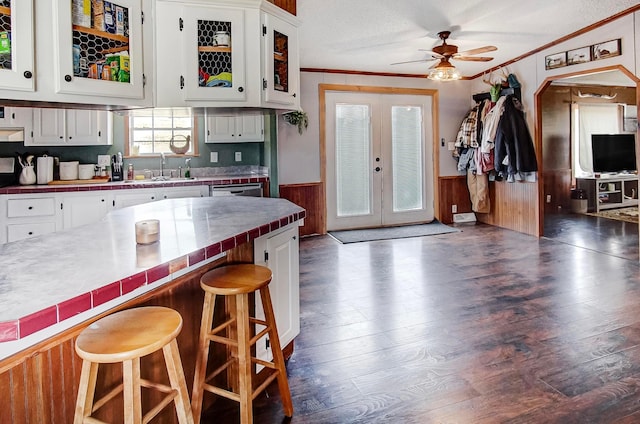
point(125, 337)
point(236, 282)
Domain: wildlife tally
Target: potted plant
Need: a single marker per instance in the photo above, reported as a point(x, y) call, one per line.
point(298, 118)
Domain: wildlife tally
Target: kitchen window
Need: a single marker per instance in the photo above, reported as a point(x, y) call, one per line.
point(150, 132)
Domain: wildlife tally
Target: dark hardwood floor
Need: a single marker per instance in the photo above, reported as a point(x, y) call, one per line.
point(480, 326)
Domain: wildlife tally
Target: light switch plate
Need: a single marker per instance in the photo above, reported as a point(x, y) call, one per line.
point(214, 156)
point(238, 156)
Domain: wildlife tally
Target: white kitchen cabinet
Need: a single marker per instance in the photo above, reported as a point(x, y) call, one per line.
point(207, 54)
point(16, 117)
point(182, 192)
point(66, 127)
point(95, 43)
point(280, 60)
point(279, 251)
point(234, 127)
point(124, 198)
point(28, 215)
point(84, 208)
point(17, 66)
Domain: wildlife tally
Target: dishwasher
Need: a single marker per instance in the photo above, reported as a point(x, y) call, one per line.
point(251, 189)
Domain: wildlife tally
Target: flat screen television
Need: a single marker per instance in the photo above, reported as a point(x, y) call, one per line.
point(613, 153)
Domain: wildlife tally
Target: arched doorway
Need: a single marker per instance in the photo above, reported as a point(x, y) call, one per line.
point(553, 122)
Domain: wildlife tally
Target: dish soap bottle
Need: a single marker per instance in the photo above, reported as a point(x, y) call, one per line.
point(187, 172)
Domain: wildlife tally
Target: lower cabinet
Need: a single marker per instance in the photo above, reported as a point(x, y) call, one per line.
point(83, 208)
point(29, 215)
point(279, 251)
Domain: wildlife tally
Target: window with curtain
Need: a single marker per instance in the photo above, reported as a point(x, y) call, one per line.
point(591, 119)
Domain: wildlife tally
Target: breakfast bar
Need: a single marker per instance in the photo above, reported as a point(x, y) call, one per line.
point(55, 285)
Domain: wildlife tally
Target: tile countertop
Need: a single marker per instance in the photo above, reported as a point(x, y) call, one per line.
point(51, 280)
point(134, 184)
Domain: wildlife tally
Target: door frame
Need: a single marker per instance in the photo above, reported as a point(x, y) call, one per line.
point(324, 88)
point(538, 130)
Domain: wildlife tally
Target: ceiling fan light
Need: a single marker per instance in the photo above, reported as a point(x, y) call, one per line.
point(447, 73)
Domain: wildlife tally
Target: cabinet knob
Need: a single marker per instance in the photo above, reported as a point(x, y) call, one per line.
point(30, 207)
point(241, 89)
point(67, 78)
point(30, 233)
point(27, 74)
point(294, 94)
point(377, 169)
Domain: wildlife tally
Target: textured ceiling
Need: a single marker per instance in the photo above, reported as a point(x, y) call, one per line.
point(369, 35)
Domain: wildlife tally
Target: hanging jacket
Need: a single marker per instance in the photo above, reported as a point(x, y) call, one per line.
point(514, 151)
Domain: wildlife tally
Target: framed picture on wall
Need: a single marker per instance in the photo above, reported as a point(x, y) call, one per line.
point(606, 49)
point(581, 55)
point(556, 60)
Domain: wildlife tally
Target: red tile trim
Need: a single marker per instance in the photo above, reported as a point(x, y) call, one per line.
point(228, 244)
point(8, 331)
point(197, 256)
point(106, 293)
point(213, 250)
point(74, 306)
point(129, 284)
point(157, 273)
point(38, 321)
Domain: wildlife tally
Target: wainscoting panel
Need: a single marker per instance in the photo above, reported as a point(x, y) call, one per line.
point(309, 196)
point(513, 206)
point(453, 191)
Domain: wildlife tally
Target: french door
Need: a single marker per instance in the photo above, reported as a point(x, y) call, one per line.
point(379, 159)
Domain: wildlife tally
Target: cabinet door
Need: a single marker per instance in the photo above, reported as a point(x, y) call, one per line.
point(17, 232)
point(83, 209)
point(134, 197)
point(17, 58)
point(86, 127)
point(48, 127)
point(182, 192)
point(220, 128)
point(281, 62)
point(214, 54)
point(281, 254)
point(16, 117)
point(99, 55)
point(250, 127)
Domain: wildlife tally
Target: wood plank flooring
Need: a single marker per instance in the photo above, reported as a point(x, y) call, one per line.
point(481, 326)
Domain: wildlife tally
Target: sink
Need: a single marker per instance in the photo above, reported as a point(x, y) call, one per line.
point(161, 180)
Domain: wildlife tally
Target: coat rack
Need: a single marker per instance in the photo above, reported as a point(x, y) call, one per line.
point(504, 92)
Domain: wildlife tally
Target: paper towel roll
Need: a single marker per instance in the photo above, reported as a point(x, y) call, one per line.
point(44, 169)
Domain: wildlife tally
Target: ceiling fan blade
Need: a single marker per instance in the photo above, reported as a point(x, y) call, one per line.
point(473, 58)
point(478, 50)
point(411, 61)
point(432, 53)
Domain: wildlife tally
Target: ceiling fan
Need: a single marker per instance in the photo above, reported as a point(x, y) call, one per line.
point(446, 52)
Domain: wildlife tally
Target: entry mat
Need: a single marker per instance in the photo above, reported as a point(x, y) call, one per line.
point(386, 233)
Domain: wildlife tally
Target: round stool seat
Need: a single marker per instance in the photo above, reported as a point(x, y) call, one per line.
point(236, 279)
point(128, 334)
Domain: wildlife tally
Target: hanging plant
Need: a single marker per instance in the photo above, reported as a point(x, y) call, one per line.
point(298, 118)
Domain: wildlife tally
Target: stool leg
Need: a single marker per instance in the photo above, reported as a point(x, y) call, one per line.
point(86, 391)
point(176, 377)
point(278, 357)
point(132, 394)
point(244, 359)
point(202, 356)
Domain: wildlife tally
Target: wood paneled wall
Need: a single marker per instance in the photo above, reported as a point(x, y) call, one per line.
point(513, 206)
point(288, 5)
point(453, 191)
point(309, 196)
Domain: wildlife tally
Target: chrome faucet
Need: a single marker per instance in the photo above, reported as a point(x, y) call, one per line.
point(162, 163)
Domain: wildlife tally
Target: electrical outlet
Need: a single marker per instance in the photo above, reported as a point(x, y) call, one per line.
point(454, 208)
point(548, 198)
point(238, 156)
point(214, 157)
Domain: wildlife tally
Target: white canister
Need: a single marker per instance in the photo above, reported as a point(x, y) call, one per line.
point(86, 171)
point(44, 169)
point(69, 170)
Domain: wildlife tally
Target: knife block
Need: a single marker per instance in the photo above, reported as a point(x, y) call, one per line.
point(116, 174)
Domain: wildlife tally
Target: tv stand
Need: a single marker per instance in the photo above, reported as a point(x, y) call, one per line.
point(610, 191)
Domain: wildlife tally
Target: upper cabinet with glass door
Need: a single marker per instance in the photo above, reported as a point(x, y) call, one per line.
point(99, 48)
point(16, 45)
point(207, 54)
point(281, 68)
